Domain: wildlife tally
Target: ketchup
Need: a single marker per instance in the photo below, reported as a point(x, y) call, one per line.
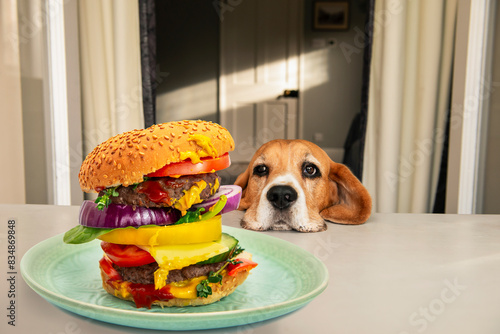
point(144, 294)
point(155, 192)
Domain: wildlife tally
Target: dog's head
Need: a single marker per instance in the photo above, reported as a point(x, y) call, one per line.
point(293, 184)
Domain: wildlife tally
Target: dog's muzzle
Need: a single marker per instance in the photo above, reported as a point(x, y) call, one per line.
point(281, 197)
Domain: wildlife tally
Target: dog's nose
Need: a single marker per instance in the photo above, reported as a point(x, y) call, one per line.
point(281, 197)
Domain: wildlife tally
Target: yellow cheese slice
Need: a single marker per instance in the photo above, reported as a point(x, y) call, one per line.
point(186, 289)
point(170, 257)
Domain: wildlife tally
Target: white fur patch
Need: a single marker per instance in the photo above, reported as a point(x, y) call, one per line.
point(294, 217)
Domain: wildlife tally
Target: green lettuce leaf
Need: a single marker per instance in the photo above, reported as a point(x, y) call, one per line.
point(82, 234)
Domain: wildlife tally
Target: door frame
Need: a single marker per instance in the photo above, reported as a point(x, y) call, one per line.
point(469, 105)
point(63, 104)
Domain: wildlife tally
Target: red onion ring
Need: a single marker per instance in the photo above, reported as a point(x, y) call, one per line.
point(118, 215)
point(233, 194)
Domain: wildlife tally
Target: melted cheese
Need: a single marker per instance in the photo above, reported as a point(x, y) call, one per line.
point(190, 197)
point(121, 289)
point(172, 257)
point(186, 289)
point(207, 149)
point(215, 187)
point(183, 289)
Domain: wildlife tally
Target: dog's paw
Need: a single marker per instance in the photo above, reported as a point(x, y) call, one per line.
point(316, 227)
point(255, 226)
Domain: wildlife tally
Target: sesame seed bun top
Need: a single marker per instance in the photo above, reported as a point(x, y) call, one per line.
point(126, 158)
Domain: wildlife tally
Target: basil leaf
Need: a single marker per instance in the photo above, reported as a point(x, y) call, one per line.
point(104, 200)
point(82, 234)
point(190, 217)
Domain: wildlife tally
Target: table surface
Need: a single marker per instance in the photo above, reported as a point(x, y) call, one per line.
point(397, 273)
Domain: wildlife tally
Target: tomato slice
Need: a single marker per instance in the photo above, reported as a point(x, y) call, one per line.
point(246, 264)
point(186, 167)
point(108, 269)
point(126, 255)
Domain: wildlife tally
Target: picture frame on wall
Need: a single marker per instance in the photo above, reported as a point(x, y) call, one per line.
point(331, 15)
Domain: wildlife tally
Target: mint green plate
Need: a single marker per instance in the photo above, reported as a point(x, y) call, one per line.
point(286, 279)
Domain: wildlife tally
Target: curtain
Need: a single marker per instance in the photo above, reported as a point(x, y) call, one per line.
point(110, 69)
point(408, 102)
point(148, 59)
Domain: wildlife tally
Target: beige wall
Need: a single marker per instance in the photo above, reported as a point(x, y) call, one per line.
point(332, 78)
point(11, 127)
point(31, 51)
point(491, 198)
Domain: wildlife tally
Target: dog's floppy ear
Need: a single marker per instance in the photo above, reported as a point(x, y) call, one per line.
point(354, 203)
point(242, 181)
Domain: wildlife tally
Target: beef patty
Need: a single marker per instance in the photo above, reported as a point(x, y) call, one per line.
point(145, 274)
point(170, 188)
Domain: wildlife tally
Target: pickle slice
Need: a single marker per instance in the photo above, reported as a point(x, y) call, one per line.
point(227, 240)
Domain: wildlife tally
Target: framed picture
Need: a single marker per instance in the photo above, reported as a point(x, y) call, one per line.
point(329, 15)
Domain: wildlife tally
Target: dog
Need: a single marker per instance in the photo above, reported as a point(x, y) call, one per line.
point(294, 185)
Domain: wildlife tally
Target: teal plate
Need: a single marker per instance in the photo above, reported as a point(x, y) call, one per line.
point(286, 279)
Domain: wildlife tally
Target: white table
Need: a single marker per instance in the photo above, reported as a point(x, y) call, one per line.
point(398, 273)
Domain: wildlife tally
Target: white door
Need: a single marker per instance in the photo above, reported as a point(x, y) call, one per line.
point(259, 60)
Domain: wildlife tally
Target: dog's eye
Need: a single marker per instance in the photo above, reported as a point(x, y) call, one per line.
point(310, 170)
point(261, 170)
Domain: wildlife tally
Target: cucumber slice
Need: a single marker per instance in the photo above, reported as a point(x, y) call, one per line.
point(227, 240)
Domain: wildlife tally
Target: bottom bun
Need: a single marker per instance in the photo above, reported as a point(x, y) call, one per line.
point(219, 291)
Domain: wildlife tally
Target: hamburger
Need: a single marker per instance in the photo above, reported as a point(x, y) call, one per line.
point(158, 215)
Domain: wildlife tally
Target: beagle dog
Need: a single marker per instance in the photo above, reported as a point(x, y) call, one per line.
point(293, 184)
